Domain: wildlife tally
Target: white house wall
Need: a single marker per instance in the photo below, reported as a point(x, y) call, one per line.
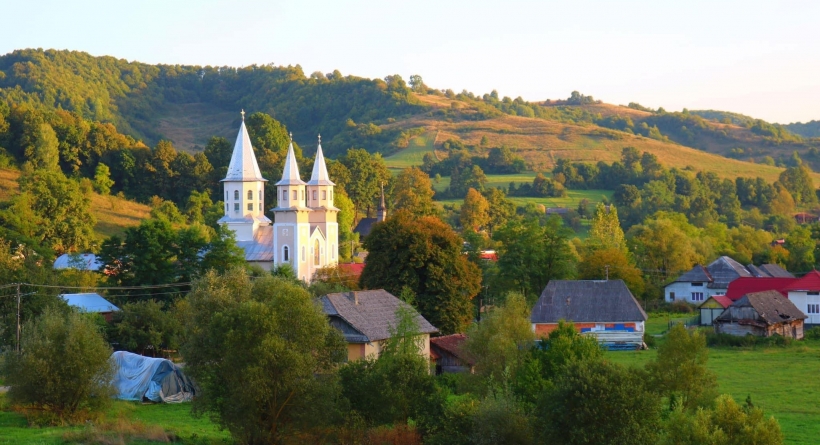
point(683, 292)
point(802, 299)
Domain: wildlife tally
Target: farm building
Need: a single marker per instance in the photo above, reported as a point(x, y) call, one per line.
point(91, 303)
point(604, 309)
point(447, 353)
point(746, 285)
point(712, 308)
point(762, 314)
point(805, 294)
point(700, 283)
point(365, 319)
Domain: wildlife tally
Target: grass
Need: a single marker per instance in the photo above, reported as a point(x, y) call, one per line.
point(414, 153)
point(571, 201)
point(174, 419)
point(779, 379)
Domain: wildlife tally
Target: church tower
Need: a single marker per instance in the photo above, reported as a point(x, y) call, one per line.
point(324, 237)
point(244, 189)
point(291, 229)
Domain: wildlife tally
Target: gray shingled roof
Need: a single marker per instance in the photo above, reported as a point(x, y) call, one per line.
point(590, 301)
point(775, 271)
point(698, 273)
point(374, 314)
point(364, 226)
point(724, 270)
point(771, 306)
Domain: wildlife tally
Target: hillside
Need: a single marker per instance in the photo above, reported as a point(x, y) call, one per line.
point(113, 214)
point(189, 104)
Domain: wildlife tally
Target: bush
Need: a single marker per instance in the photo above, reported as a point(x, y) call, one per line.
point(63, 373)
point(145, 327)
point(813, 333)
point(649, 340)
point(746, 341)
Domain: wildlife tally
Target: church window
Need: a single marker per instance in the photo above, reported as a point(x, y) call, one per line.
point(260, 206)
point(285, 254)
point(316, 257)
point(324, 195)
point(250, 195)
point(236, 195)
point(303, 194)
point(295, 197)
point(226, 208)
point(304, 254)
point(250, 207)
point(314, 195)
point(284, 195)
point(226, 196)
point(260, 195)
point(236, 207)
point(333, 251)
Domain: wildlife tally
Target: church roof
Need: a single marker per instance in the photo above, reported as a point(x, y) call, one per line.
point(319, 175)
point(290, 174)
point(261, 247)
point(243, 166)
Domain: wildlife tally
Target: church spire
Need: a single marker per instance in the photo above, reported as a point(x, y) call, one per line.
point(290, 174)
point(243, 166)
point(320, 176)
point(381, 211)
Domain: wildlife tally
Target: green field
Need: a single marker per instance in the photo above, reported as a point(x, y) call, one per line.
point(781, 380)
point(413, 154)
point(570, 201)
point(175, 419)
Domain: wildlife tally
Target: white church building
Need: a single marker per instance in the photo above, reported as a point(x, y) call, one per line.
point(304, 232)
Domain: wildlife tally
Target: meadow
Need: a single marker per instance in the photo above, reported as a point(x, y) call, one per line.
point(778, 379)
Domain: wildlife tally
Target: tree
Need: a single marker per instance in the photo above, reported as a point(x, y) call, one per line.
point(531, 254)
point(501, 209)
point(417, 84)
point(45, 153)
point(660, 244)
point(598, 402)
point(412, 191)
point(613, 264)
point(423, 254)
point(726, 424)
point(679, 372)
point(263, 352)
point(63, 368)
point(367, 174)
point(102, 179)
point(801, 248)
point(345, 217)
point(145, 325)
point(475, 211)
point(797, 180)
point(222, 253)
point(605, 231)
point(500, 343)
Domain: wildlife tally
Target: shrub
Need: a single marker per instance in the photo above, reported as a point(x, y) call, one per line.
point(63, 372)
point(746, 341)
point(145, 326)
point(649, 340)
point(813, 333)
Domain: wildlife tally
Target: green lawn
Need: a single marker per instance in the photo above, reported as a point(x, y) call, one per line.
point(413, 154)
point(173, 418)
point(782, 381)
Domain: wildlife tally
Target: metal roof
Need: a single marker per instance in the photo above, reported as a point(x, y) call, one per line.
point(243, 166)
point(89, 302)
point(261, 247)
point(81, 261)
point(319, 175)
point(595, 301)
point(290, 173)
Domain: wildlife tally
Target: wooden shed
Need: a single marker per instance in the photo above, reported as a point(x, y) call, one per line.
point(712, 308)
point(763, 314)
point(448, 354)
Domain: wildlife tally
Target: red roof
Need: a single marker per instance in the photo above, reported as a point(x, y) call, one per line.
point(744, 285)
point(354, 269)
point(809, 282)
point(452, 345)
point(723, 300)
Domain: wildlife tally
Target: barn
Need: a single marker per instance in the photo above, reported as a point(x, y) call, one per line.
point(604, 309)
point(712, 308)
point(763, 314)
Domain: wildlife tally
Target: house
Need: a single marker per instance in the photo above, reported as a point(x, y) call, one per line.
point(712, 308)
point(365, 318)
point(449, 356)
point(805, 294)
point(762, 314)
point(604, 309)
point(79, 261)
point(746, 285)
point(700, 283)
point(803, 218)
point(91, 303)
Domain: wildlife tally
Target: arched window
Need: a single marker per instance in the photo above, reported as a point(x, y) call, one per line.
point(250, 207)
point(226, 196)
point(285, 254)
point(316, 257)
point(226, 207)
point(250, 195)
point(303, 194)
point(324, 194)
point(314, 195)
point(284, 195)
point(304, 254)
point(260, 195)
point(236, 195)
point(295, 196)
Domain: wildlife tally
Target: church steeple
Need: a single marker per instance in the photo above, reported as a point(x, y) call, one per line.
point(291, 188)
point(290, 174)
point(381, 211)
point(319, 175)
point(243, 166)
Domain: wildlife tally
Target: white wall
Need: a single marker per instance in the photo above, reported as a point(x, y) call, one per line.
point(802, 300)
point(683, 292)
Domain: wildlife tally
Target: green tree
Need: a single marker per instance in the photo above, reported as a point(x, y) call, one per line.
point(475, 211)
point(726, 424)
point(63, 368)
point(145, 326)
point(679, 372)
point(660, 244)
point(613, 264)
point(531, 254)
point(222, 253)
point(501, 209)
point(423, 254)
point(605, 231)
point(102, 179)
point(412, 191)
point(263, 352)
point(801, 248)
point(797, 180)
point(45, 153)
point(367, 174)
point(598, 402)
point(345, 217)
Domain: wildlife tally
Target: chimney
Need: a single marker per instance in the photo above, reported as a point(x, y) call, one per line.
point(354, 297)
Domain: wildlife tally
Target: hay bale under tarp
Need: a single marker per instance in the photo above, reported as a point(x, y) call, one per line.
point(155, 379)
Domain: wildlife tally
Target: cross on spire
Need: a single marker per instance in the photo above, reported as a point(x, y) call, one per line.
point(320, 139)
point(243, 114)
point(291, 136)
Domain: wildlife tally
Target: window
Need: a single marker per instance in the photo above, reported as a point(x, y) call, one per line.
point(331, 194)
point(316, 257)
point(226, 208)
point(260, 195)
point(324, 194)
point(812, 293)
point(260, 206)
point(250, 195)
point(304, 252)
point(671, 296)
point(285, 254)
point(303, 194)
point(284, 195)
point(236, 207)
point(813, 308)
point(295, 196)
point(226, 196)
point(697, 284)
point(333, 251)
point(236, 195)
point(250, 207)
point(314, 195)
point(697, 296)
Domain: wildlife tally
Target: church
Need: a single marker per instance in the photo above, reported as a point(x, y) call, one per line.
point(304, 232)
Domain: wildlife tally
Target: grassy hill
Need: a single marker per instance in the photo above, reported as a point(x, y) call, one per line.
point(113, 214)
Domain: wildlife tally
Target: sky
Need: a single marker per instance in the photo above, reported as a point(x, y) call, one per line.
point(759, 58)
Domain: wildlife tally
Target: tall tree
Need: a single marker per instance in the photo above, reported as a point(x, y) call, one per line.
point(475, 211)
point(413, 191)
point(423, 254)
point(605, 231)
point(367, 174)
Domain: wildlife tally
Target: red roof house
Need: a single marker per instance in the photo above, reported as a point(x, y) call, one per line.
point(809, 282)
point(746, 285)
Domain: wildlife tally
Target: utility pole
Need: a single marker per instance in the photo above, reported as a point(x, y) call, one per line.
point(607, 272)
point(18, 318)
